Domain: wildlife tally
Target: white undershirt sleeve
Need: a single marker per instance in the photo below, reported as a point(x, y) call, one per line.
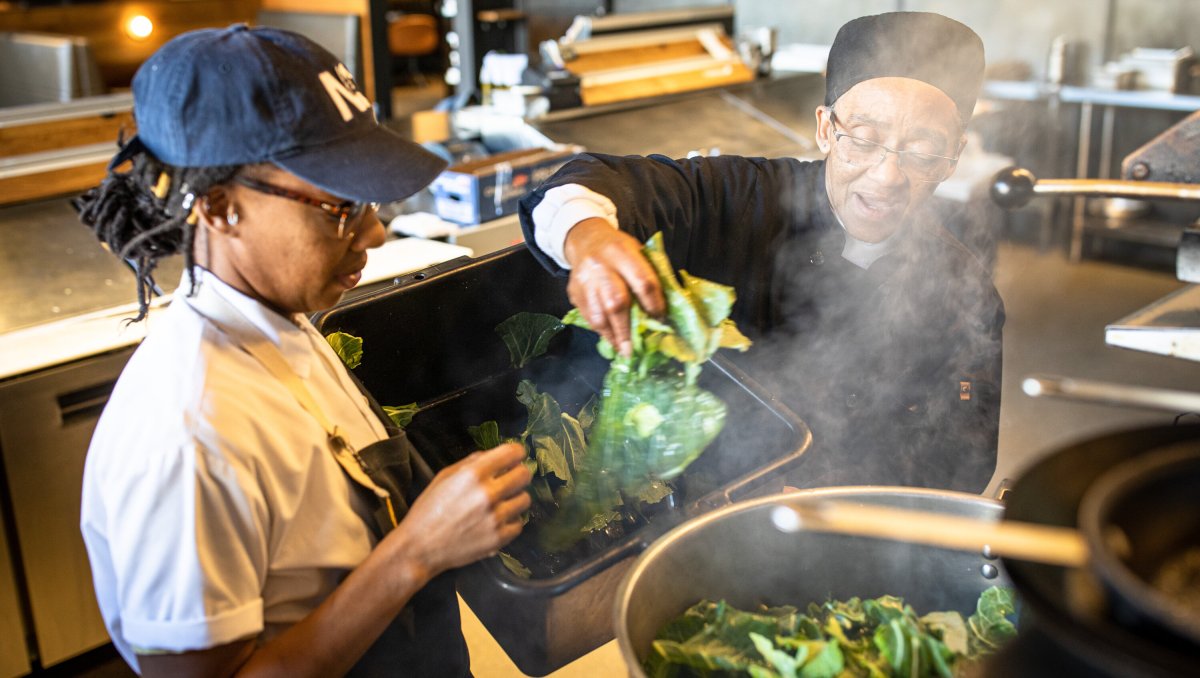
point(559, 211)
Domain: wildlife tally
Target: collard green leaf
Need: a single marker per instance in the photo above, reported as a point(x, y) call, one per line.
point(881, 610)
point(827, 663)
point(401, 415)
point(783, 663)
point(674, 347)
point(527, 335)
point(575, 317)
point(732, 337)
point(705, 654)
point(550, 457)
point(936, 657)
point(545, 416)
point(895, 645)
point(601, 520)
point(690, 623)
point(682, 310)
point(714, 299)
point(573, 442)
point(654, 492)
point(950, 627)
point(540, 489)
point(513, 565)
point(871, 638)
point(347, 347)
point(606, 350)
point(643, 419)
point(486, 435)
point(990, 625)
point(587, 414)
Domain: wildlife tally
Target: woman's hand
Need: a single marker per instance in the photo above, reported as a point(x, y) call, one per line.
point(606, 265)
point(469, 510)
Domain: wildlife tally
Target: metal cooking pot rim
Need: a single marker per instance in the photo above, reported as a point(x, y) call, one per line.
point(1098, 502)
point(702, 521)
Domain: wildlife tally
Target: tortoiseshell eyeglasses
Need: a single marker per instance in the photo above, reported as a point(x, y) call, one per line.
point(346, 213)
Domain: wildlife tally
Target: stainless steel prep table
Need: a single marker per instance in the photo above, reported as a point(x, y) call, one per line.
point(52, 267)
point(769, 118)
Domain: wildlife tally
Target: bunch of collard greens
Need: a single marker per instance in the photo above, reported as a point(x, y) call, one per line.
point(556, 442)
point(654, 419)
point(873, 638)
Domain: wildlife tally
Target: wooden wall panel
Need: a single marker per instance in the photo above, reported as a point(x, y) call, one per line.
point(117, 54)
point(59, 134)
point(55, 182)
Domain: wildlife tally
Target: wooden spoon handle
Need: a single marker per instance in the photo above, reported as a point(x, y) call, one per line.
point(1022, 541)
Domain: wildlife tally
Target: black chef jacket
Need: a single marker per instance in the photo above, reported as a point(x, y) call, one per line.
point(896, 368)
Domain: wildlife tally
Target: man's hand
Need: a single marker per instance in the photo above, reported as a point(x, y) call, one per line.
point(469, 510)
point(606, 265)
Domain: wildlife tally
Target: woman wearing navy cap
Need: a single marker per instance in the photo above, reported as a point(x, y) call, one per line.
point(245, 509)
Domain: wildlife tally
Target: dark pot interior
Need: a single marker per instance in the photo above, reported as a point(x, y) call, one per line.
point(1142, 523)
point(1061, 603)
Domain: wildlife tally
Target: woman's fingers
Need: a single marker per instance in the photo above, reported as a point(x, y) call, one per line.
point(499, 459)
point(511, 482)
point(511, 509)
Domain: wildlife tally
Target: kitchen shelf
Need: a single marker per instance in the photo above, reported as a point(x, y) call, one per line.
point(1169, 326)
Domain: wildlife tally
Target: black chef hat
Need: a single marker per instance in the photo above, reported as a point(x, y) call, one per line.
point(918, 45)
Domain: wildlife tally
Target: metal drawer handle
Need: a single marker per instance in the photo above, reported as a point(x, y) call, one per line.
point(84, 404)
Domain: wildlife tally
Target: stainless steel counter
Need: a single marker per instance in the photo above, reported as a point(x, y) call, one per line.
point(771, 118)
point(52, 267)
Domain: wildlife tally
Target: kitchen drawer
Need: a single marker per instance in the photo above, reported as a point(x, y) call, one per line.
point(46, 421)
point(14, 656)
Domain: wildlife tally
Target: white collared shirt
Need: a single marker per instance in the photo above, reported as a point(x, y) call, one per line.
point(860, 252)
point(564, 206)
point(213, 509)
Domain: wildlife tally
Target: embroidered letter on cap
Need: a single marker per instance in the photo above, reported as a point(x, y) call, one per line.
point(341, 90)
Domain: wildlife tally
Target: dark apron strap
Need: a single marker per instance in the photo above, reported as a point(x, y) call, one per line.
point(422, 474)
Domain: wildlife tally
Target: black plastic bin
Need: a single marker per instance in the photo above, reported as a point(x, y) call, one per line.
point(430, 338)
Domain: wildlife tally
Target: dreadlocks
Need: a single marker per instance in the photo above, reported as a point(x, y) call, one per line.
point(144, 214)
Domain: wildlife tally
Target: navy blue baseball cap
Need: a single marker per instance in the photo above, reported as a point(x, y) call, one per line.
point(243, 95)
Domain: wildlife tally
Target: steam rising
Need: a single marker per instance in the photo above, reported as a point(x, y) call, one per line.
point(877, 361)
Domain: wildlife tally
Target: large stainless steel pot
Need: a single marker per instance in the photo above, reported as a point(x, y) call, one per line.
point(736, 553)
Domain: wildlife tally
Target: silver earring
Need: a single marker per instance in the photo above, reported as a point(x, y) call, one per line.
point(232, 218)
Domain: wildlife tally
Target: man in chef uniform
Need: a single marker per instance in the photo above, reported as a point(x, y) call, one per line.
point(872, 322)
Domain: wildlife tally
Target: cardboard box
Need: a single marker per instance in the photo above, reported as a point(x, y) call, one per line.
point(487, 189)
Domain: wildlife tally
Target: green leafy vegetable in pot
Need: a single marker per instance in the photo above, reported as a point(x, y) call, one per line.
point(654, 419)
point(873, 638)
